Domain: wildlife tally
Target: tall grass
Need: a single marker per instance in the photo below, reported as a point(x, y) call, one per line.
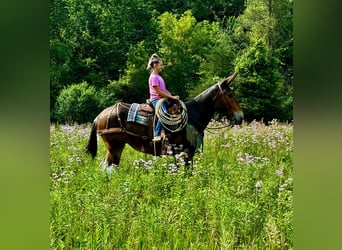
point(239, 195)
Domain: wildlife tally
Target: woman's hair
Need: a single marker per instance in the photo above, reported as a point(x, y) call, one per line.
point(153, 60)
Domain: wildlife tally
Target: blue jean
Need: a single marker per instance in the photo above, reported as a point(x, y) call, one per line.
point(159, 127)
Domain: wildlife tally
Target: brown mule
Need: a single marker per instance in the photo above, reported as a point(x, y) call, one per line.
point(112, 125)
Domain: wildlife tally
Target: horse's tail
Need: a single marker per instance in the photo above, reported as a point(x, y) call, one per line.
point(92, 143)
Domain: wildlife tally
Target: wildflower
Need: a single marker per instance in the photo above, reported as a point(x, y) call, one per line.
point(227, 145)
point(67, 129)
point(173, 168)
point(250, 159)
point(279, 172)
point(265, 159)
point(73, 148)
point(83, 133)
point(283, 186)
point(258, 184)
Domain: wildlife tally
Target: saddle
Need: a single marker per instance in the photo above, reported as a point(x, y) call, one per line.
point(145, 114)
point(146, 108)
point(140, 113)
point(139, 120)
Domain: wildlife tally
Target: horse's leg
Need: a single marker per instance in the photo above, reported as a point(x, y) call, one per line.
point(116, 152)
point(113, 154)
point(107, 160)
point(189, 160)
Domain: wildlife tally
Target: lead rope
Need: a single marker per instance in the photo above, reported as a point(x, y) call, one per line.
point(154, 142)
point(168, 120)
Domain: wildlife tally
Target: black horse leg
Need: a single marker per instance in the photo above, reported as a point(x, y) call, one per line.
point(175, 169)
point(116, 153)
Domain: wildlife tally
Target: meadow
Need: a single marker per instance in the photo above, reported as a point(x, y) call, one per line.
point(239, 194)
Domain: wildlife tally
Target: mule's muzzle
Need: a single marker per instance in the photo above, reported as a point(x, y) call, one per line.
point(237, 118)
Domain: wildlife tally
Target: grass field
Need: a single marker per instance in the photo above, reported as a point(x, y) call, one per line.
point(239, 196)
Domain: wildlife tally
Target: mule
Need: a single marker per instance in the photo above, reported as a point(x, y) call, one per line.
point(112, 125)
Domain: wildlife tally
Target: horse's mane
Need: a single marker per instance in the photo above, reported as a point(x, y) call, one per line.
point(204, 94)
point(202, 103)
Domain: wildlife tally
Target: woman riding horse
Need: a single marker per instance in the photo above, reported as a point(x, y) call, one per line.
point(111, 124)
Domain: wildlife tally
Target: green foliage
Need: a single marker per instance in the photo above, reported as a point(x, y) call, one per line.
point(59, 67)
point(97, 35)
point(217, 64)
point(264, 35)
point(191, 51)
point(133, 86)
point(271, 21)
point(182, 45)
point(240, 195)
point(79, 101)
point(258, 80)
point(107, 44)
point(211, 10)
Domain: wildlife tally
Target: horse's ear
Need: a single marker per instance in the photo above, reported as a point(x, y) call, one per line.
point(229, 79)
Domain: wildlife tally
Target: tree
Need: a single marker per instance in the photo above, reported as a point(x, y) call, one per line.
point(269, 21)
point(189, 48)
point(89, 40)
point(194, 54)
point(258, 82)
point(107, 44)
point(210, 10)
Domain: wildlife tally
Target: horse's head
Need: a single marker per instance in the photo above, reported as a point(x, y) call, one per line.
point(225, 101)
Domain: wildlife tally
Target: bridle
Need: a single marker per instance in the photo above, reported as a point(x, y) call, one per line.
point(220, 93)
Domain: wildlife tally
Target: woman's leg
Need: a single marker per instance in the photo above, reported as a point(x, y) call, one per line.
point(158, 128)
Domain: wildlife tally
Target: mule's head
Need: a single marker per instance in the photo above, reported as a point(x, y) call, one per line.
point(226, 102)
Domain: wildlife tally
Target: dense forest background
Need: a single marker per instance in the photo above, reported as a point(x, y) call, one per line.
point(99, 51)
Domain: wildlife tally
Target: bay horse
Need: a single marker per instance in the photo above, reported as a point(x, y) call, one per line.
point(112, 125)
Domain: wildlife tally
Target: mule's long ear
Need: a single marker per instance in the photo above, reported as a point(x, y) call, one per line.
point(229, 79)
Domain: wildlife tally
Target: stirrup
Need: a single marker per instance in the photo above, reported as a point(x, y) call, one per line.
point(157, 138)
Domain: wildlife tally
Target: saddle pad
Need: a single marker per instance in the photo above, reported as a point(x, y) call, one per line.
point(134, 116)
point(194, 137)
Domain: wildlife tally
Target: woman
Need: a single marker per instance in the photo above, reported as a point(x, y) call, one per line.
point(158, 91)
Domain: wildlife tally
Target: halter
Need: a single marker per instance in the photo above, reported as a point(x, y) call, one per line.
point(220, 89)
point(220, 93)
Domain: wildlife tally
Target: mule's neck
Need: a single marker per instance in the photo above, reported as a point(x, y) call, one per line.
point(200, 113)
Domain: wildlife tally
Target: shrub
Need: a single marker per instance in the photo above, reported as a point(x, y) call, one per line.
point(77, 103)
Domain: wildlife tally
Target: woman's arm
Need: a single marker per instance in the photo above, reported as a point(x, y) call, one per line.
point(165, 94)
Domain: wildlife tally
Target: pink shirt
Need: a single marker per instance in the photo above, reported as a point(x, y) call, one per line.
point(156, 80)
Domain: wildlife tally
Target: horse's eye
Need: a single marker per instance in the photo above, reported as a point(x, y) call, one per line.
point(230, 95)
